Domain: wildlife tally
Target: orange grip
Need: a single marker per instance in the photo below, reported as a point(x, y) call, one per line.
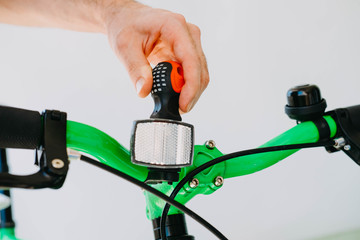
point(177, 76)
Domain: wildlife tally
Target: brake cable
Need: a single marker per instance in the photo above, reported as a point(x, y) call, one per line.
point(157, 193)
point(226, 157)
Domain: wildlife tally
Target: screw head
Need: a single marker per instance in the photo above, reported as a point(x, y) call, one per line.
point(194, 183)
point(57, 163)
point(210, 144)
point(347, 147)
point(219, 181)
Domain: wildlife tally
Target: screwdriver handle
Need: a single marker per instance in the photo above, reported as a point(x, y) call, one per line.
point(168, 81)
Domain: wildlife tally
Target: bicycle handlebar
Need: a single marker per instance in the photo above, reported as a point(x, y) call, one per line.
point(306, 132)
point(87, 139)
point(20, 128)
point(25, 129)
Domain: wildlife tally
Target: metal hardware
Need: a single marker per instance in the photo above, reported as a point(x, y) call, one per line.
point(57, 163)
point(347, 147)
point(210, 144)
point(194, 183)
point(219, 181)
point(339, 143)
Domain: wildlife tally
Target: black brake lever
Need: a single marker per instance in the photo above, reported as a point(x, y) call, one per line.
point(53, 162)
point(348, 120)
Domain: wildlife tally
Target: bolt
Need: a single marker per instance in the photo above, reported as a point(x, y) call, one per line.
point(210, 144)
point(194, 183)
point(339, 143)
point(57, 163)
point(347, 147)
point(219, 181)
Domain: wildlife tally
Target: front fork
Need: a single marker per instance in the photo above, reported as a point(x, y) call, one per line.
point(175, 225)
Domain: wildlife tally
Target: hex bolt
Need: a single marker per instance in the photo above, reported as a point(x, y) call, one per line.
point(57, 163)
point(194, 183)
point(210, 144)
point(219, 181)
point(347, 147)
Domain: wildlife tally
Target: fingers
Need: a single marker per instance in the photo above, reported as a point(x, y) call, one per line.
point(162, 52)
point(131, 54)
point(196, 35)
point(188, 51)
point(191, 91)
point(182, 44)
point(157, 35)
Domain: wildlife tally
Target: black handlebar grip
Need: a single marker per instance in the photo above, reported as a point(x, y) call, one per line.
point(19, 128)
point(168, 81)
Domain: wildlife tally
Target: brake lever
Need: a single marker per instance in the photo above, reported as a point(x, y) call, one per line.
point(38, 180)
point(53, 162)
point(348, 120)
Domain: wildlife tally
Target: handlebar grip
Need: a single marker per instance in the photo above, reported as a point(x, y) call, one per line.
point(19, 128)
point(168, 81)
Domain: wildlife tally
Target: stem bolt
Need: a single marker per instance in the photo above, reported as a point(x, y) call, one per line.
point(347, 147)
point(210, 144)
point(57, 163)
point(219, 181)
point(194, 183)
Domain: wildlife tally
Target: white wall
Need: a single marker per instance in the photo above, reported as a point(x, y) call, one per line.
point(256, 50)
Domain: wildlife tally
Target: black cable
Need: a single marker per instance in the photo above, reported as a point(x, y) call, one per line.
point(223, 158)
point(157, 193)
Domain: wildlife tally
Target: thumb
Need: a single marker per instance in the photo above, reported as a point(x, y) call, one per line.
point(141, 76)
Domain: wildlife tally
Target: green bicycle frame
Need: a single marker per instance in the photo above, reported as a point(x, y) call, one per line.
point(89, 140)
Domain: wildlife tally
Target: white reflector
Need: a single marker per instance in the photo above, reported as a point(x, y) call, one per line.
point(162, 143)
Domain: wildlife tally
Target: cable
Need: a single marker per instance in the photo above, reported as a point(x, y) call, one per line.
point(223, 158)
point(157, 193)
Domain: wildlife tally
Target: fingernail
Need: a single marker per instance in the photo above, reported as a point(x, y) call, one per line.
point(190, 106)
point(181, 112)
point(139, 85)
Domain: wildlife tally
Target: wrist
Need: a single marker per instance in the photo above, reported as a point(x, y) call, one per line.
point(118, 12)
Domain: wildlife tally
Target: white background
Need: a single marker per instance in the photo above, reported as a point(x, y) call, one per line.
point(256, 51)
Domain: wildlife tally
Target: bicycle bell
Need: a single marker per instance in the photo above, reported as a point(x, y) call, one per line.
point(163, 143)
point(305, 103)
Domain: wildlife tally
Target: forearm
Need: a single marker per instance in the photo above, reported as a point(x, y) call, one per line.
point(139, 35)
point(79, 15)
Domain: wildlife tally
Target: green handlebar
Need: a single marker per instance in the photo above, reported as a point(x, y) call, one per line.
point(305, 132)
point(90, 140)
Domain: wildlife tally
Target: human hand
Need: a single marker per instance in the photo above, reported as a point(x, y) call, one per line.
point(141, 35)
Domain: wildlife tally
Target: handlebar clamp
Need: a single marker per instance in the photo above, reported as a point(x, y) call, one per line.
point(348, 120)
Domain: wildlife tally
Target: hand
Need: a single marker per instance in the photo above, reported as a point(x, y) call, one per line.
point(141, 35)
